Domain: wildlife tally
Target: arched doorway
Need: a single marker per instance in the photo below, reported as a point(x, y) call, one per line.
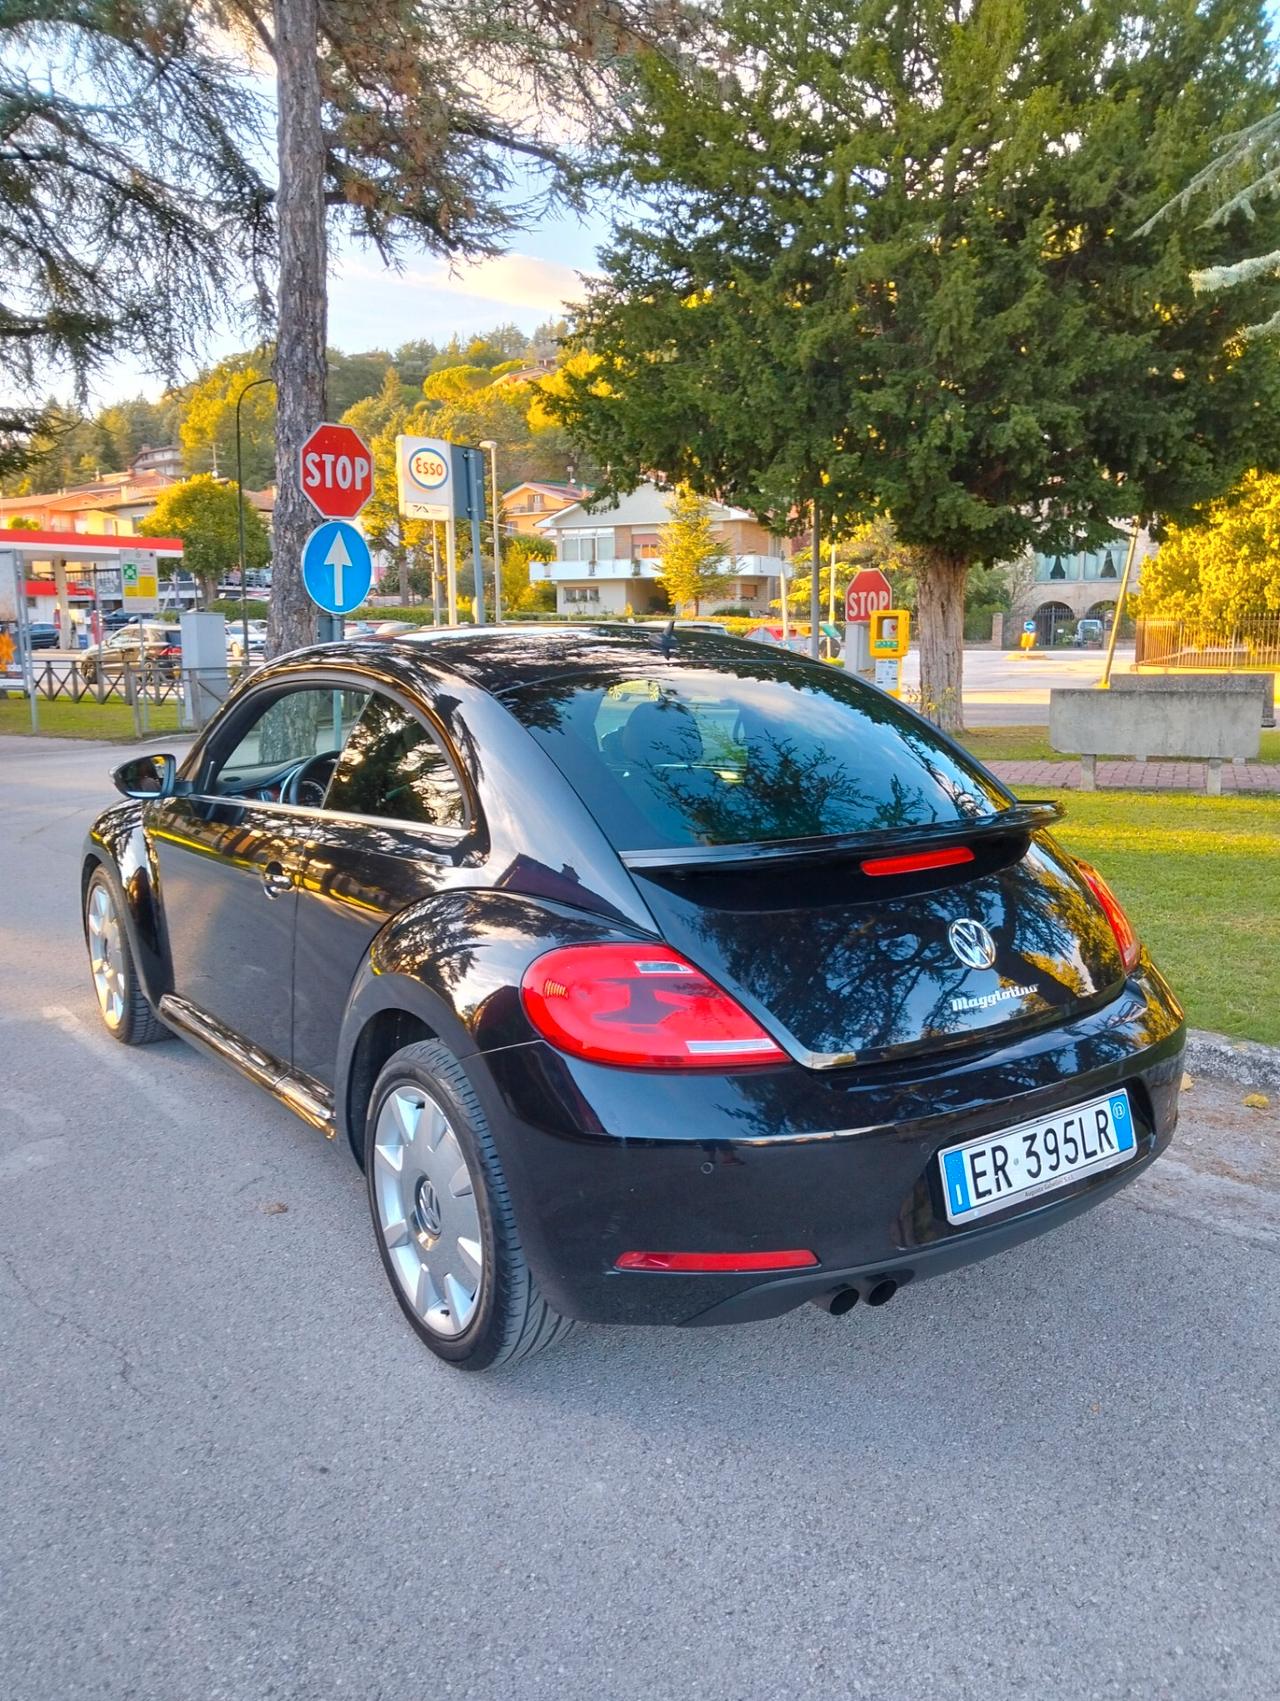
point(1052, 618)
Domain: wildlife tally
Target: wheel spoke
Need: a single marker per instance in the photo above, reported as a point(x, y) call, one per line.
point(472, 1253)
point(389, 1157)
point(437, 1126)
point(460, 1183)
point(461, 1301)
point(395, 1233)
point(408, 1113)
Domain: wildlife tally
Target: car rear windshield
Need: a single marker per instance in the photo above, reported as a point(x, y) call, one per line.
point(746, 753)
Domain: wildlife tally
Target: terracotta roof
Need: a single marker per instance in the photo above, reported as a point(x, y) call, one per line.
point(571, 492)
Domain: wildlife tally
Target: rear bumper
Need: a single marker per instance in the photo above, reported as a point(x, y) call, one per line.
point(601, 1161)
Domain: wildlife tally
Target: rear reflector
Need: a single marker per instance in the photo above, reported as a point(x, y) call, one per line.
point(644, 1006)
point(916, 864)
point(721, 1263)
point(1121, 926)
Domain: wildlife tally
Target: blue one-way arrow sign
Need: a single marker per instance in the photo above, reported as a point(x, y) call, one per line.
point(337, 568)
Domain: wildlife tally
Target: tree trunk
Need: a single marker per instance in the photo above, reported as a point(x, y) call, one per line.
point(301, 312)
point(940, 617)
point(406, 592)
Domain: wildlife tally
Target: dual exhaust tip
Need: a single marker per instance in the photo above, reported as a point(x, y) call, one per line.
point(840, 1301)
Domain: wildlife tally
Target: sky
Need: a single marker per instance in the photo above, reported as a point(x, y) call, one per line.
point(374, 306)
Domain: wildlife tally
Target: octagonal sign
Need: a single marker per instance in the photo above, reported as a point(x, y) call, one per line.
point(335, 471)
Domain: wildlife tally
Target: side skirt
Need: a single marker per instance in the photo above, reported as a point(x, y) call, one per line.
point(303, 1095)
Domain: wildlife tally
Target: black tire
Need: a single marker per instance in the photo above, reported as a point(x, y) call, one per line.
point(136, 1023)
point(512, 1320)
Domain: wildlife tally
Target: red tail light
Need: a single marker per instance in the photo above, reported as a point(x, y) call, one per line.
point(641, 1005)
point(1121, 926)
point(951, 857)
point(718, 1263)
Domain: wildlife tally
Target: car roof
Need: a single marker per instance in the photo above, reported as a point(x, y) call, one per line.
point(500, 658)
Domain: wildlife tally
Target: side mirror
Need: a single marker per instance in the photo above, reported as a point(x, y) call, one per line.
point(147, 777)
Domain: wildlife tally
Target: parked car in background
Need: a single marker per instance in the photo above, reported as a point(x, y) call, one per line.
point(829, 645)
point(257, 640)
point(118, 619)
point(158, 644)
point(1088, 635)
point(44, 635)
point(688, 625)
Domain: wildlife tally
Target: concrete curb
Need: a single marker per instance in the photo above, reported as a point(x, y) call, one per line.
point(1245, 1063)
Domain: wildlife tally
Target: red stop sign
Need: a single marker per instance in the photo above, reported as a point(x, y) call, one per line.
point(335, 471)
point(868, 593)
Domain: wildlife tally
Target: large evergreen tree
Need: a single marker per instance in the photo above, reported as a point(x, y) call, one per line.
point(886, 259)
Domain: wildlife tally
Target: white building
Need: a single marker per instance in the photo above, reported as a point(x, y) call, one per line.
point(607, 562)
point(1058, 588)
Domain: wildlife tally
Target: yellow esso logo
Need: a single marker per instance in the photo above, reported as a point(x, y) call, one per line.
point(428, 469)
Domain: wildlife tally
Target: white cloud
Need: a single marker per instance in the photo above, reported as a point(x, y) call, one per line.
point(518, 281)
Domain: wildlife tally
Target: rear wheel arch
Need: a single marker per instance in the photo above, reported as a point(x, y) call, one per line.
point(386, 1031)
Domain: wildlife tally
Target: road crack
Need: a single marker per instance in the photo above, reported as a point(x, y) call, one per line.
point(126, 1368)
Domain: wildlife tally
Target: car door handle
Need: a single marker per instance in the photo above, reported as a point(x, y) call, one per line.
point(276, 880)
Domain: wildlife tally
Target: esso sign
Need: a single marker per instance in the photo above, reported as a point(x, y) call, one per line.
point(336, 471)
point(428, 469)
point(869, 593)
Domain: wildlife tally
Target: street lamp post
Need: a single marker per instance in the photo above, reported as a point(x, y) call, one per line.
point(492, 447)
point(244, 583)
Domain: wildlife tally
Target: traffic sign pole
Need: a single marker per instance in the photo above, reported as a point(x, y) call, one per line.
point(451, 568)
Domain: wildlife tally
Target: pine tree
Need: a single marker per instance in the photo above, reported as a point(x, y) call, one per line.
point(885, 260)
point(693, 558)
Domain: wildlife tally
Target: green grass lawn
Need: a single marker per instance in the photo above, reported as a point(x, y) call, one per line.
point(1031, 744)
point(62, 718)
point(1200, 880)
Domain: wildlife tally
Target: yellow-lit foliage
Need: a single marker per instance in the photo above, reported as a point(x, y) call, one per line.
point(1225, 568)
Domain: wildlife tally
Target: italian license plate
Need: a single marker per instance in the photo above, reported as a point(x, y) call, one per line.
point(1036, 1157)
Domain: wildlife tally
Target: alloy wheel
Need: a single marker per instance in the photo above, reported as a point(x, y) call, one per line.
point(106, 955)
point(427, 1210)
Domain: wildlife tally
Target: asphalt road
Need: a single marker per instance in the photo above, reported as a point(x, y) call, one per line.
point(227, 1470)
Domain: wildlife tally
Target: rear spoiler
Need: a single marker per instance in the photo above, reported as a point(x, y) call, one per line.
point(1025, 817)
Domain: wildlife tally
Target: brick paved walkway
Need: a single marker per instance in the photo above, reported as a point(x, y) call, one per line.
point(1141, 776)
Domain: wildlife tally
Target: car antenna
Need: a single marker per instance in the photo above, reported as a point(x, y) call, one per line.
point(669, 637)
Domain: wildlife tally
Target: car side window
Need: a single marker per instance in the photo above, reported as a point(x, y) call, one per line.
point(394, 767)
point(299, 726)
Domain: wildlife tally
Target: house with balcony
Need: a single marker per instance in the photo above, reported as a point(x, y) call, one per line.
point(525, 506)
point(610, 561)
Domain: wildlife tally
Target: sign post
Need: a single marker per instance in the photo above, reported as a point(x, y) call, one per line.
point(438, 480)
point(468, 484)
point(337, 568)
point(139, 581)
point(13, 611)
point(425, 491)
point(869, 593)
point(335, 474)
point(335, 471)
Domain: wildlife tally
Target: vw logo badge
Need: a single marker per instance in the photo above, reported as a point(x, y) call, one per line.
point(972, 943)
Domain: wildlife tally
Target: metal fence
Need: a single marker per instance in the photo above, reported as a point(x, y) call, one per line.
point(195, 693)
point(1252, 642)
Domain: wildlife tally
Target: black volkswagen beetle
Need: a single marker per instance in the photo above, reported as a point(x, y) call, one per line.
point(653, 977)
